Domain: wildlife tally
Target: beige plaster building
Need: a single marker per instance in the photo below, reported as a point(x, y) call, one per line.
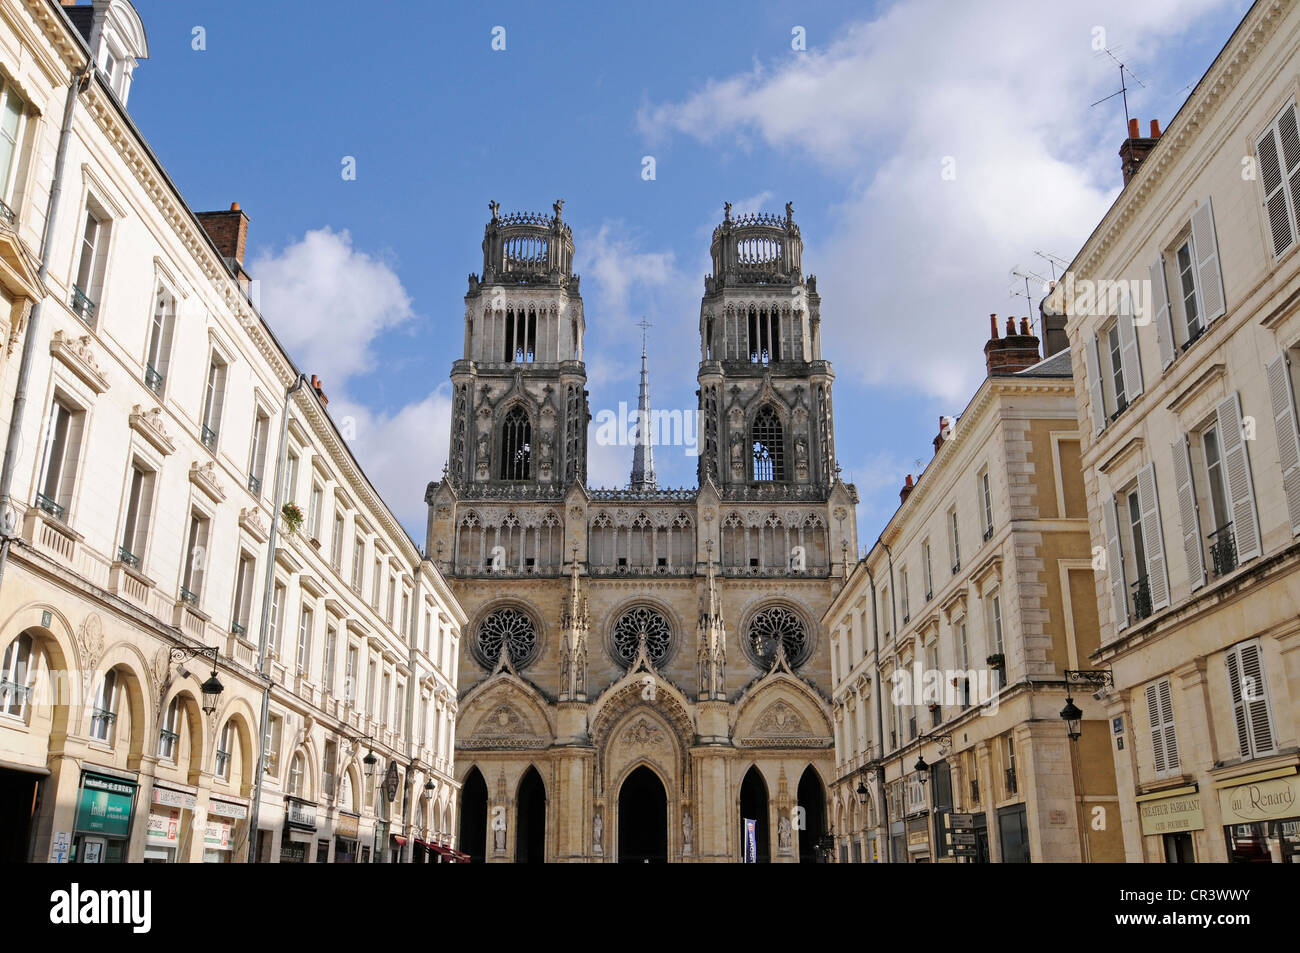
point(951, 641)
point(142, 468)
point(1188, 386)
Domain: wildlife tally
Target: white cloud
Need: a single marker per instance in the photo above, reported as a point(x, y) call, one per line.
point(914, 262)
point(328, 303)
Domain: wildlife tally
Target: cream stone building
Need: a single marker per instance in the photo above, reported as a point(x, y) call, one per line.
point(1187, 409)
point(952, 640)
point(142, 475)
point(644, 669)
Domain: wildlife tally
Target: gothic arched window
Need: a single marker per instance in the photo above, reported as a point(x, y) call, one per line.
point(516, 445)
point(769, 448)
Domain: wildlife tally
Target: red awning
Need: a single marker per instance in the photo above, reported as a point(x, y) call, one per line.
point(453, 855)
point(401, 841)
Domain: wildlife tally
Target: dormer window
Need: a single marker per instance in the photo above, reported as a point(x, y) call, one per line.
point(121, 45)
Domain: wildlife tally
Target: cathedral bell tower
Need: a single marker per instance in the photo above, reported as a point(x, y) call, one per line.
point(766, 425)
point(519, 399)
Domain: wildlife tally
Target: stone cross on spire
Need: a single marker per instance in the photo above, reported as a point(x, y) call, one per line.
point(643, 460)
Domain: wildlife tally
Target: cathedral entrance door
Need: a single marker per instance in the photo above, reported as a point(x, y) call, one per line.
point(642, 819)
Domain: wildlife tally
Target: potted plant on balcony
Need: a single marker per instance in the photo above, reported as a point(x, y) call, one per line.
point(292, 516)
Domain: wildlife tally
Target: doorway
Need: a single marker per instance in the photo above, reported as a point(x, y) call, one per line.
point(753, 806)
point(18, 791)
point(812, 798)
point(642, 819)
point(530, 833)
point(473, 817)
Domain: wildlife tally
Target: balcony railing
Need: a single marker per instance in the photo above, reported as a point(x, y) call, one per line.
point(988, 534)
point(125, 555)
point(254, 484)
point(1011, 781)
point(209, 437)
point(223, 763)
point(82, 306)
point(8, 215)
point(1194, 333)
point(153, 380)
point(956, 567)
point(100, 722)
point(1223, 550)
point(13, 693)
point(238, 628)
point(1141, 598)
point(167, 743)
point(47, 505)
point(188, 597)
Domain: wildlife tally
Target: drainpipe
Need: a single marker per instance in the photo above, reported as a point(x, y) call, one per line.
point(412, 687)
point(78, 84)
point(264, 626)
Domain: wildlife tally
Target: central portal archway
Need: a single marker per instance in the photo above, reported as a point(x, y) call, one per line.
point(642, 819)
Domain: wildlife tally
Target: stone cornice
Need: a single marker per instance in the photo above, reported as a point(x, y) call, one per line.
point(1194, 116)
point(204, 476)
point(79, 357)
point(149, 424)
point(251, 520)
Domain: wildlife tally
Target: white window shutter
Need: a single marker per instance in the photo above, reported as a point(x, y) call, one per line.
point(1289, 138)
point(1241, 492)
point(1288, 436)
point(1167, 725)
point(1237, 693)
point(1255, 696)
point(1277, 210)
point(1130, 358)
point(1157, 729)
point(1160, 312)
point(1189, 516)
point(1153, 537)
point(1115, 566)
point(1208, 270)
point(1095, 391)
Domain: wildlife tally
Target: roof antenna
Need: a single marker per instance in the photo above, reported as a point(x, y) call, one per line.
point(1123, 86)
point(1027, 275)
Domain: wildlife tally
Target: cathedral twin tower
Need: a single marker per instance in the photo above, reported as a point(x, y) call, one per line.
point(668, 634)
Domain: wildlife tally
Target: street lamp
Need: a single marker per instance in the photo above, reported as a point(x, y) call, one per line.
point(429, 788)
point(862, 792)
point(370, 761)
point(922, 769)
point(212, 690)
point(1073, 718)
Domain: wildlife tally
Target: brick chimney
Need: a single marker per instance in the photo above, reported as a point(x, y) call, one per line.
point(1012, 353)
point(908, 487)
point(1134, 149)
point(1055, 339)
point(319, 387)
point(938, 438)
point(229, 232)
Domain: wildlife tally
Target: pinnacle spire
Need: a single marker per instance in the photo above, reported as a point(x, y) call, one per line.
point(643, 460)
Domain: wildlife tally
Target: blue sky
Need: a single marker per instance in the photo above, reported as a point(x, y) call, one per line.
point(364, 279)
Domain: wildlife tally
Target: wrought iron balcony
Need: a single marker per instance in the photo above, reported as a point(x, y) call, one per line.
point(988, 534)
point(254, 484)
point(238, 628)
point(82, 306)
point(188, 597)
point(223, 763)
point(13, 693)
point(1194, 333)
point(1141, 598)
point(1121, 405)
point(1011, 781)
point(209, 437)
point(7, 215)
point(100, 722)
point(153, 379)
point(1223, 550)
point(167, 743)
point(956, 567)
point(125, 555)
point(929, 594)
point(47, 505)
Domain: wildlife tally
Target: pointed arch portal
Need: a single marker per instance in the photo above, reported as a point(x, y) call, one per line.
point(642, 819)
point(530, 836)
point(753, 806)
point(473, 817)
point(812, 798)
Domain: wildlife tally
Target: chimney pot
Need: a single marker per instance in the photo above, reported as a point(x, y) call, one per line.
point(1155, 128)
point(1011, 326)
point(1134, 129)
point(234, 206)
point(993, 326)
point(1024, 326)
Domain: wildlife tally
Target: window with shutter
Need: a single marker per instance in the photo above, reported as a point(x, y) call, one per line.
point(1130, 357)
point(1241, 491)
point(1189, 517)
point(1115, 566)
point(1278, 155)
point(1281, 395)
point(1167, 725)
point(1157, 730)
point(1153, 537)
point(1095, 388)
point(1209, 272)
point(1160, 310)
point(1248, 689)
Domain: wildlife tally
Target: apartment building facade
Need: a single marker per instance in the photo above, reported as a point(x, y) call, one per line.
point(952, 639)
point(138, 524)
point(1188, 384)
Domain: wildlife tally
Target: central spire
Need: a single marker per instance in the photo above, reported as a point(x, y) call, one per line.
point(643, 458)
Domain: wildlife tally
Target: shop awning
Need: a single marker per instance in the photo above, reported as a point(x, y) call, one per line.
point(454, 855)
point(401, 841)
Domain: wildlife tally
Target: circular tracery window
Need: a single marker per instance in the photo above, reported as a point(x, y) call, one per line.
point(770, 626)
point(509, 627)
point(637, 622)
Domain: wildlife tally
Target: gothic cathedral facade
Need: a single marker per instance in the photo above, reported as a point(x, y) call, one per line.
point(644, 671)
